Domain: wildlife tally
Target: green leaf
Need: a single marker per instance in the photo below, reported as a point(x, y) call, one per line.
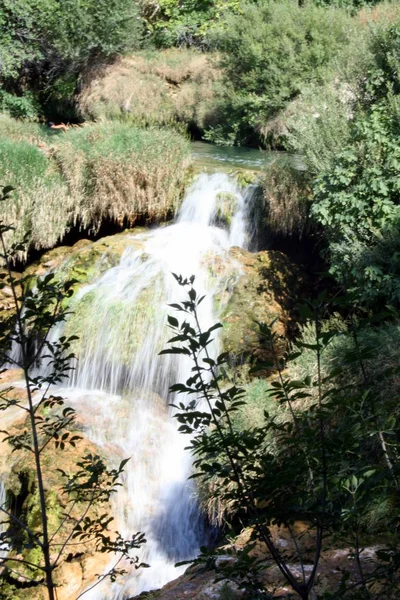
point(172, 321)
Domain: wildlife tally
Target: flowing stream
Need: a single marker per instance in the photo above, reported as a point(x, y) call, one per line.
point(120, 386)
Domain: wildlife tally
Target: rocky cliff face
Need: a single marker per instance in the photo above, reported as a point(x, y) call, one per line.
point(263, 289)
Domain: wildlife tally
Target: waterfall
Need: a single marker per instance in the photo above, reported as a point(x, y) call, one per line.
point(120, 386)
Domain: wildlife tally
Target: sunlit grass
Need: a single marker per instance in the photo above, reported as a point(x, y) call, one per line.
point(108, 171)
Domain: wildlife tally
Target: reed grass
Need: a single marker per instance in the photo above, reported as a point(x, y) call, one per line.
point(79, 179)
point(39, 207)
point(122, 173)
point(152, 88)
point(286, 198)
point(20, 130)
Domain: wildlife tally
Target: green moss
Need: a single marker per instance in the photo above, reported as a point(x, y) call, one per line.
point(85, 262)
point(226, 207)
point(127, 321)
point(258, 288)
point(245, 177)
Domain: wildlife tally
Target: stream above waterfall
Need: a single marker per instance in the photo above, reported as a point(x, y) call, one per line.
point(214, 158)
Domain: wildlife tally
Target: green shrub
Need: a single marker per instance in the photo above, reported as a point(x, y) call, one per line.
point(269, 52)
point(20, 107)
point(44, 39)
point(366, 70)
point(378, 345)
point(350, 4)
point(360, 356)
point(319, 124)
point(177, 23)
point(357, 199)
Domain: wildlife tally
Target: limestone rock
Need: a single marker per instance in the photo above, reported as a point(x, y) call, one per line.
point(84, 261)
point(262, 288)
point(194, 585)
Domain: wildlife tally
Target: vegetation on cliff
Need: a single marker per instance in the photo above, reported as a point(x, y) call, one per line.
point(106, 172)
point(347, 192)
point(175, 87)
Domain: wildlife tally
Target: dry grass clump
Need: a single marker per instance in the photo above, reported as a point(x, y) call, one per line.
point(286, 194)
point(152, 88)
point(124, 92)
point(40, 204)
point(20, 130)
point(118, 172)
point(384, 13)
point(175, 65)
point(101, 172)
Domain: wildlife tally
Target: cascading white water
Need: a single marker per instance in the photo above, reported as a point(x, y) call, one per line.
point(120, 386)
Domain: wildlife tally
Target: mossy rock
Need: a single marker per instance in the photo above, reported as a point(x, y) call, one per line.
point(261, 287)
point(78, 571)
point(7, 306)
point(83, 262)
point(245, 177)
point(128, 321)
point(227, 205)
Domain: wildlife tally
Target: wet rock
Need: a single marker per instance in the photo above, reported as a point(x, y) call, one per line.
point(259, 288)
point(86, 260)
point(7, 305)
point(334, 563)
point(195, 585)
point(81, 562)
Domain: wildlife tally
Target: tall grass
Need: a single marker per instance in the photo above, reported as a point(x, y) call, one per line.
point(121, 173)
point(152, 88)
point(20, 130)
point(40, 204)
point(286, 197)
point(102, 172)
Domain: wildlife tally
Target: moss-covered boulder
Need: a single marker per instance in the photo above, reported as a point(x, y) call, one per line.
point(260, 287)
point(227, 205)
point(86, 260)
